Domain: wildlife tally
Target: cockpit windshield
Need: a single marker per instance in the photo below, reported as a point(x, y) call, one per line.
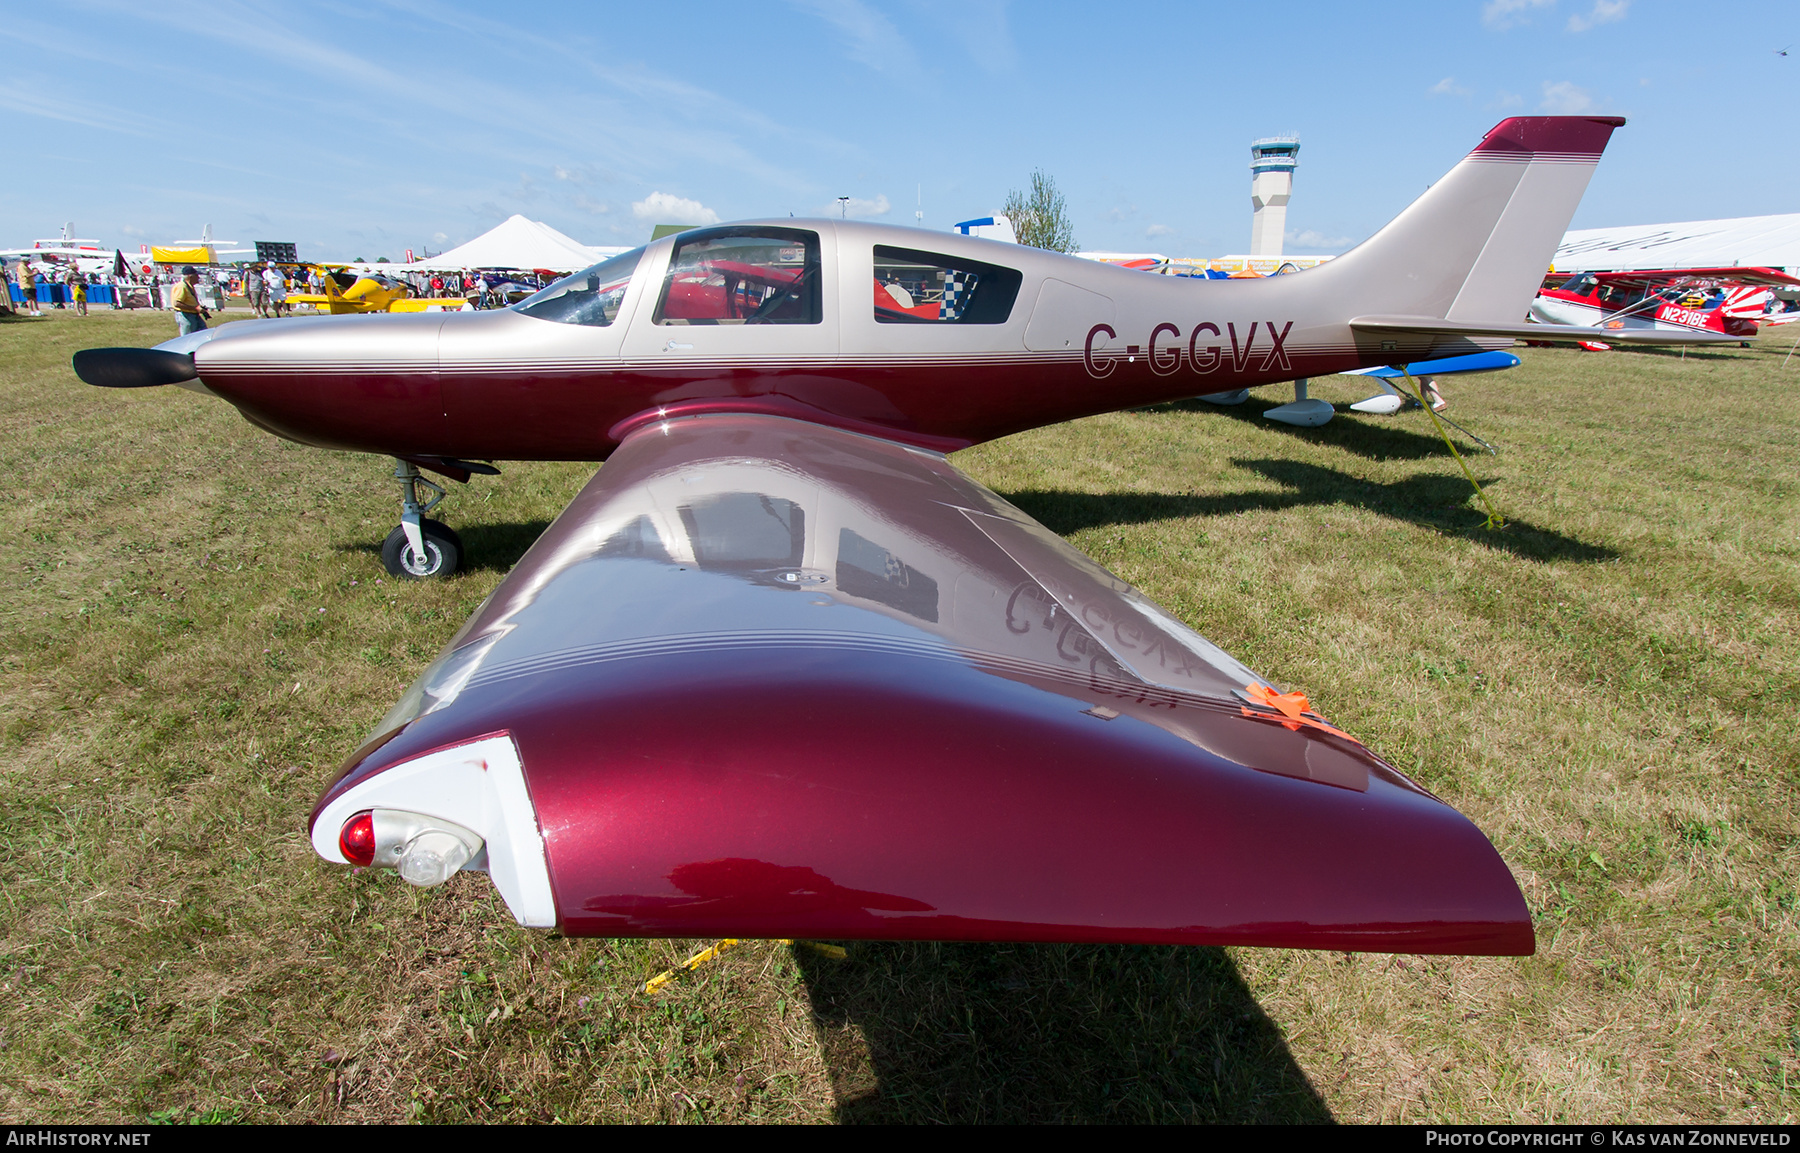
point(591, 296)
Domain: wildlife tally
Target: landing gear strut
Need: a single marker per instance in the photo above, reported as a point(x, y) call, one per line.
point(419, 549)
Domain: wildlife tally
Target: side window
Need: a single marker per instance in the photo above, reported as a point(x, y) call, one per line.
point(742, 275)
point(913, 287)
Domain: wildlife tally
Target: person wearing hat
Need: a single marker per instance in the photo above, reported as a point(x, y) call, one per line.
point(275, 281)
point(28, 286)
point(189, 316)
point(77, 285)
point(255, 290)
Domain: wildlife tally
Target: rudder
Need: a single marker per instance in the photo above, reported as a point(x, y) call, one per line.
point(1477, 244)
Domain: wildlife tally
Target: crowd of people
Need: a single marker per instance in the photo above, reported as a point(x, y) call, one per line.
point(31, 288)
point(33, 285)
point(30, 285)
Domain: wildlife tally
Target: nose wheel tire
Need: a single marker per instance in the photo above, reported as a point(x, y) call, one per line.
point(443, 553)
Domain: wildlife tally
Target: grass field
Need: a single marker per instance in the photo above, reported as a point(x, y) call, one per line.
point(195, 629)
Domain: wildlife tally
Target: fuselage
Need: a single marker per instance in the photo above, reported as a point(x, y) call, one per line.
point(685, 336)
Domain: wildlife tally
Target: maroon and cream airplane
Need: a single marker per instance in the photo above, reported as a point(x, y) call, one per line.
point(780, 670)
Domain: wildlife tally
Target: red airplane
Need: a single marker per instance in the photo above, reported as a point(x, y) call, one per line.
point(780, 670)
point(1726, 301)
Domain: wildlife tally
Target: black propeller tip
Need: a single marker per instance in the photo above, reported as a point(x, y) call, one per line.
point(133, 367)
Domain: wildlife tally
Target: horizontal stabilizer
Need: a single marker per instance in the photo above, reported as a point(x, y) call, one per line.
point(1448, 366)
point(1522, 330)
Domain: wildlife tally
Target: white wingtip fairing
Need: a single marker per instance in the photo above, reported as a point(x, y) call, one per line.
point(479, 786)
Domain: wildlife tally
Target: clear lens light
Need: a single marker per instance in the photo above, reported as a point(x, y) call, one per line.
point(431, 857)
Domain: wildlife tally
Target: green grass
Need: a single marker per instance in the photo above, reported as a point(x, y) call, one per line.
point(1609, 688)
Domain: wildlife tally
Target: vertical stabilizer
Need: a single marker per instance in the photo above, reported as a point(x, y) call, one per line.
point(1475, 247)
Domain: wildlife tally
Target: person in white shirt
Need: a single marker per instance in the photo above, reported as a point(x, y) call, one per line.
point(277, 285)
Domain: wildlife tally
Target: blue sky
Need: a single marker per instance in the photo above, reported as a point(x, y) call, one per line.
point(365, 129)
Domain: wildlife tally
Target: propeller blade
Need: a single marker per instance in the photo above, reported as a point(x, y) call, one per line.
point(133, 367)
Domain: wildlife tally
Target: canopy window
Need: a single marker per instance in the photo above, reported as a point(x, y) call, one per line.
point(745, 275)
point(913, 287)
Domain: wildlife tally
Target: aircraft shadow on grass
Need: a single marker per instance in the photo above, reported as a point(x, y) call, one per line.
point(1439, 503)
point(1035, 1034)
point(486, 547)
point(1691, 354)
point(1371, 439)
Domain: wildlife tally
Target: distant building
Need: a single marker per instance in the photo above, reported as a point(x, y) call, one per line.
point(1272, 163)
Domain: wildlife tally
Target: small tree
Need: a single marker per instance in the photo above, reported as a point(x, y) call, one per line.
point(1042, 218)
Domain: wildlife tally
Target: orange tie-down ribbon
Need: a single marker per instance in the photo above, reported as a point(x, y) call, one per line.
point(1294, 706)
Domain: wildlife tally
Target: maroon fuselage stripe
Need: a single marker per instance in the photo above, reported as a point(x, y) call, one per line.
point(581, 412)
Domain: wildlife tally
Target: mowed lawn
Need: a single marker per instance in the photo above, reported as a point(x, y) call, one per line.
point(195, 629)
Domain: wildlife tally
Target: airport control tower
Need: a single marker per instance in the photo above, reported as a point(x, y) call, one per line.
point(1272, 163)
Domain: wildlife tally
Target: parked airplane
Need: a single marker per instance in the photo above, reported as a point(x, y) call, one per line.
point(348, 293)
point(781, 670)
point(84, 253)
point(1728, 301)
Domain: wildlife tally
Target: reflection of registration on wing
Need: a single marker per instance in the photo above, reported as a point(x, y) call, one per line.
point(780, 670)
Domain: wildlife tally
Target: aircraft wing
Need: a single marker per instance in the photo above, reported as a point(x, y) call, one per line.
point(1448, 366)
point(1381, 325)
point(764, 678)
point(1652, 277)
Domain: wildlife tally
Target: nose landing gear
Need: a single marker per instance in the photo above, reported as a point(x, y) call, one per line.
point(419, 549)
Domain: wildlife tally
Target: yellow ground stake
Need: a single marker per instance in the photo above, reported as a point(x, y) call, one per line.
point(711, 951)
point(1494, 519)
point(694, 962)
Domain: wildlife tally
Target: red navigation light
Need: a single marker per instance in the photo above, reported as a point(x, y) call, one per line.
point(356, 840)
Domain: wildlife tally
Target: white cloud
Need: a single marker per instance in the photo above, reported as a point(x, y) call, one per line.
point(591, 206)
point(569, 174)
point(1605, 12)
point(873, 39)
point(625, 115)
point(979, 25)
point(31, 102)
point(128, 230)
point(857, 206)
point(664, 208)
point(1447, 87)
point(439, 237)
point(1159, 230)
point(1316, 239)
point(1508, 100)
point(1506, 13)
point(1565, 99)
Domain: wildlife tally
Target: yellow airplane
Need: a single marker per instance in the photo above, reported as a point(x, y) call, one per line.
point(347, 293)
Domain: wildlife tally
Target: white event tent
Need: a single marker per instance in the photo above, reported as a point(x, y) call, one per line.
point(1739, 242)
point(514, 243)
